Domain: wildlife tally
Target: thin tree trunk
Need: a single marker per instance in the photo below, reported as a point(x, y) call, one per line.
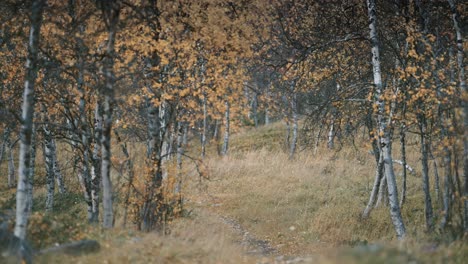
point(436, 181)
point(267, 105)
point(447, 198)
point(32, 169)
point(379, 175)
point(425, 172)
point(185, 137)
point(152, 192)
point(226, 130)
point(287, 138)
point(180, 153)
point(111, 15)
point(447, 159)
point(172, 148)
point(383, 194)
point(49, 165)
point(293, 145)
point(463, 88)
point(205, 125)
point(164, 119)
point(11, 167)
point(6, 138)
point(27, 118)
point(331, 135)
point(131, 175)
point(456, 174)
point(84, 179)
point(57, 172)
point(384, 130)
point(95, 162)
point(216, 135)
point(255, 109)
point(317, 139)
point(82, 164)
point(403, 160)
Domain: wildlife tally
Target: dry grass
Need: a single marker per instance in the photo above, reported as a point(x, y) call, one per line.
point(201, 238)
point(309, 206)
point(312, 204)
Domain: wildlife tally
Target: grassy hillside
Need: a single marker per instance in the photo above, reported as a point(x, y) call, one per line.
point(305, 210)
point(313, 204)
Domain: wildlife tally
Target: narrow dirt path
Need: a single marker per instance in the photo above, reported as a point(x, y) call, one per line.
point(261, 248)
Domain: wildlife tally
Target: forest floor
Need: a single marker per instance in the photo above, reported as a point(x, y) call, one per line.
point(257, 206)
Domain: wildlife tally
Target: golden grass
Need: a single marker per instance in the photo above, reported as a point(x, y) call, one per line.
point(309, 206)
point(313, 203)
point(201, 238)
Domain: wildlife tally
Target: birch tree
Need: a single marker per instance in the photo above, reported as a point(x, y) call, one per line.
point(385, 141)
point(27, 119)
point(110, 14)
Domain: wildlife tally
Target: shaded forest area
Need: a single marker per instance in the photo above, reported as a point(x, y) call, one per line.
point(83, 81)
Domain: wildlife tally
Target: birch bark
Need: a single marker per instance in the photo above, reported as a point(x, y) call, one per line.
point(383, 129)
point(95, 162)
point(48, 160)
point(110, 10)
point(27, 118)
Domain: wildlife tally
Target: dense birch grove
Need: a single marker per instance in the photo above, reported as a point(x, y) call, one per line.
point(82, 79)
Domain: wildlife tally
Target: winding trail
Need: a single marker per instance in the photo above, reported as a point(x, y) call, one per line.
point(261, 248)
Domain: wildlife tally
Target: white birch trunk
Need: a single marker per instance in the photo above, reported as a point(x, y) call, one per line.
point(383, 129)
point(48, 160)
point(111, 15)
point(164, 155)
point(27, 118)
point(331, 135)
point(382, 198)
point(95, 162)
point(375, 188)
